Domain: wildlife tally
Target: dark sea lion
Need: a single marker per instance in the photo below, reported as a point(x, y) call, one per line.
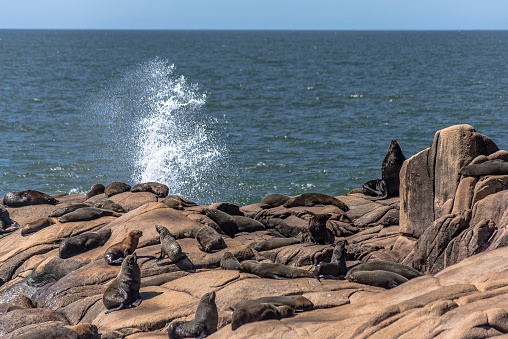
point(224, 220)
point(229, 262)
point(491, 167)
point(109, 205)
point(169, 245)
point(205, 320)
point(87, 213)
point(403, 270)
point(258, 312)
point(337, 265)
point(116, 187)
point(273, 271)
point(298, 302)
point(38, 225)
point(53, 270)
point(83, 242)
point(66, 209)
point(95, 190)
point(377, 188)
point(275, 200)
point(209, 240)
point(116, 253)
point(312, 199)
point(246, 224)
point(124, 290)
point(178, 203)
point(317, 229)
point(28, 197)
point(390, 168)
point(377, 278)
point(7, 225)
point(160, 190)
point(274, 243)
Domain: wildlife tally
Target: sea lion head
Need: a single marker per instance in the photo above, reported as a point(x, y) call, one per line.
point(162, 230)
point(136, 234)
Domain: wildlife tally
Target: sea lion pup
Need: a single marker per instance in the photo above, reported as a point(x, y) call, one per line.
point(6, 221)
point(160, 190)
point(116, 187)
point(109, 205)
point(87, 213)
point(318, 230)
point(274, 243)
point(66, 209)
point(298, 302)
point(224, 220)
point(205, 320)
point(275, 200)
point(377, 278)
point(28, 197)
point(38, 225)
point(311, 199)
point(95, 190)
point(490, 167)
point(259, 311)
point(83, 242)
point(273, 271)
point(337, 265)
point(124, 290)
point(169, 246)
point(229, 262)
point(178, 203)
point(117, 252)
point(209, 239)
point(403, 270)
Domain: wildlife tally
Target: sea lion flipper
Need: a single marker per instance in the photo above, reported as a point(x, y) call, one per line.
point(137, 302)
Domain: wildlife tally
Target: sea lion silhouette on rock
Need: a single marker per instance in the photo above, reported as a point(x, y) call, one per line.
point(273, 271)
point(28, 197)
point(169, 246)
point(490, 167)
point(312, 199)
point(95, 190)
point(259, 311)
point(86, 214)
point(6, 221)
point(83, 242)
point(124, 290)
point(209, 239)
point(275, 200)
point(116, 253)
point(116, 187)
point(205, 320)
point(160, 190)
point(337, 265)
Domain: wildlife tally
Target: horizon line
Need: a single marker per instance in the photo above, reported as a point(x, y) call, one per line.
point(265, 29)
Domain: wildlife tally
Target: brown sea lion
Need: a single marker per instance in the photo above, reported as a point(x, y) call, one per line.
point(205, 320)
point(258, 312)
point(66, 209)
point(38, 225)
point(7, 225)
point(224, 220)
point(337, 265)
point(116, 253)
point(229, 262)
point(124, 290)
point(298, 302)
point(160, 190)
point(274, 243)
point(169, 245)
point(275, 200)
point(52, 270)
point(273, 271)
point(246, 224)
point(490, 167)
point(209, 239)
point(403, 270)
point(28, 197)
point(318, 230)
point(116, 187)
point(83, 242)
point(95, 190)
point(312, 199)
point(87, 213)
point(109, 205)
point(377, 278)
point(178, 203)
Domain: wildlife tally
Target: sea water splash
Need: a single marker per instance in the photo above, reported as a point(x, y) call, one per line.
point(170, 140)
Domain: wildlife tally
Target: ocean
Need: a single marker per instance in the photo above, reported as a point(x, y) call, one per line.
point(236, 115)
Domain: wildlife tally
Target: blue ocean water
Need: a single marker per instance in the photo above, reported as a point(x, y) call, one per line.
point(235, 115)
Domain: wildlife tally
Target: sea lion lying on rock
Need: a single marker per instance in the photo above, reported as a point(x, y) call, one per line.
point(38, 225)
point(224, 220)
point(6, 221)
point(28, 197)
point(312, 199)
point(95, 190)
point(229, 262)
point(116, 187)
point(83, 242)
point(377, 278)
point(274, 243)
point(116, 253)
point(52, 270)
point(178, 203)
point(124, 290)
point(87, 213)
point(259, 311)
point(205, 320)
point(337, 265)
point(109, 205)
point(160, 190)
point(275, 200)
point(490, 167)
point(273, 271)
point(66, 209)
point(403, 270)
point(298, 302)
point(209, 239)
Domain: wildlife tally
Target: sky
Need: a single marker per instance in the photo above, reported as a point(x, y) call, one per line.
point(255, 14)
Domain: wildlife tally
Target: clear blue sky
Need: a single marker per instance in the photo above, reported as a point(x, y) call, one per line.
point(255, 14)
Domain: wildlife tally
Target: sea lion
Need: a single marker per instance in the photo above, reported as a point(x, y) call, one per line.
point(124, 290)
point(116, 187)
point(390, 168)
point(66, 209)
point(229, 262)
point(209, 239)
point(490, 167)
point(117, 252)
point(160, 190)
point(6, 221)
point(259, 311)
point(224, 220)
point(83, 242)
point(28, 197)
point(298, 302)
point(38, 225)
point(377, 188)
point(169, 245)
point(52, 270)
point(205, 320)
point(109, 205)
point(317, 229)
point(403, 270)
point(275, 200)
point(273, 271)
point(312, 199)
point(337, 265)
point(87, 213)
point(95, 190)
point(274, 243)
point(178, 203)
point(246, 224)
point(377, 278)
